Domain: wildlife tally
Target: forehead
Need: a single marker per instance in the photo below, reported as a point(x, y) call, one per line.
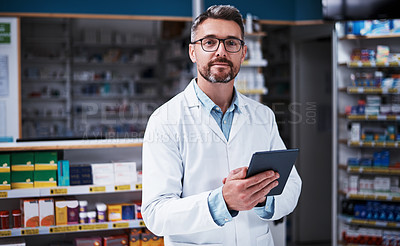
point(219, 28)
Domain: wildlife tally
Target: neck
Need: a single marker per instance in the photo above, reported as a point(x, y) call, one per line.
point(220, 93)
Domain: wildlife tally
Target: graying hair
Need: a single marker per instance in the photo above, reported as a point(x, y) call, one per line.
point(224, 12)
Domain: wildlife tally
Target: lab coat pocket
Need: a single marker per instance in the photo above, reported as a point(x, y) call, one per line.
point(265, 239)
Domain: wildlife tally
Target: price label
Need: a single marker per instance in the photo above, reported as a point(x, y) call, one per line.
point(396, 198)
point(62, 229)
point(4, 194)
point(138, 187)
point(5, 233)
point(141, 223)
point(93, 227)
point(122, 187)
point(391, 117)
point(392, 224)
point(357, 221)
point(30, 232)
point(97, 189)
point(59, 191)
point(382, 197)
point(121, 225)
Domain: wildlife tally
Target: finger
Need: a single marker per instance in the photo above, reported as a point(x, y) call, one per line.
point(239, 173)
point(259, 178)
point(264, 186)
point(224, 181)
point(261, 194)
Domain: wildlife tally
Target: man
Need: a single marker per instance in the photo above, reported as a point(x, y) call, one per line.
point(197, 146)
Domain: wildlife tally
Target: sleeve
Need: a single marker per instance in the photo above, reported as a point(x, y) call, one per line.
point(162, 204)
point(286, 202)
point(267, 211)
point(218, 208)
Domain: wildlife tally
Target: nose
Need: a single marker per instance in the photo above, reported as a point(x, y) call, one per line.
point(221, 51)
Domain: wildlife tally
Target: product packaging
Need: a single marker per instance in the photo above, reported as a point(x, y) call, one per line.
point(117, 240)
point(22, 161)
point(46, 160)
point(30, 212)
point(101, 209)
point(125, 172)
point(67, 212)
point(21, 179)
point(63, 173)
point(80, 175)
point(90, 241)
point(4, 220)
point(45, 178)
point(91, 216)
point(114, 212)
point(135, 237)
point(5, 179)
point(103, 173)
point(17, 218)
point(46, 212)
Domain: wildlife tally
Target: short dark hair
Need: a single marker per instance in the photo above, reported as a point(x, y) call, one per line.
point(224, 12)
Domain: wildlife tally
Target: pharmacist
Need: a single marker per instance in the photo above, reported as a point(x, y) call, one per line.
point(197, 146)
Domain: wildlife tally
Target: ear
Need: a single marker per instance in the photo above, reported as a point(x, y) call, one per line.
point(192, 53)
point(244, 51)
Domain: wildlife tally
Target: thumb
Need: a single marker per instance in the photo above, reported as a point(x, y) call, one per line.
point(238, 173)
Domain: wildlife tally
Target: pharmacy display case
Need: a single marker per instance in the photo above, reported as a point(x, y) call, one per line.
point(77, 152)
point(366, 137)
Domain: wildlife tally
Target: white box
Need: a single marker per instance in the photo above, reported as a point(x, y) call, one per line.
point(30, 212)
point(353, 184)
point(125, 172)
point(355, 133)
point(46, 212)
point(103, 173)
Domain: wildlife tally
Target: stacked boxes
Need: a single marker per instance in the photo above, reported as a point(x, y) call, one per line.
point(45, 173)
point(5, 174)
point(22, 167)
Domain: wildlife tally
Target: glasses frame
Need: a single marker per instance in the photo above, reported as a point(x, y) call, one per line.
point(219, 42)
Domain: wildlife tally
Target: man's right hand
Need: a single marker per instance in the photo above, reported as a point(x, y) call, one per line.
point(244, 194)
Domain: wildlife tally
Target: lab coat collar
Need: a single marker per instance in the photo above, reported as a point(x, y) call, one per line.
point(239, 118)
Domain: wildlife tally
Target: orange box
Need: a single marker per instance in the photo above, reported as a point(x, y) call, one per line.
point(30, 212)
point(46, 212)
point(149, 239)
point(135, 237)
point(117, 240)
point(114, 212)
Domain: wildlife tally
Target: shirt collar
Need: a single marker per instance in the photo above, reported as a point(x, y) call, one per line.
point(209, 104)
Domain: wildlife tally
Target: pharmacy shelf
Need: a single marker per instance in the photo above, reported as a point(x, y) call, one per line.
point(373, 197)
point(370, 170)
point(372, 144)
point(355, 117)
point(369, 90)
point(255, 63)
point(72, 144)
point(371, 223)
point(358, 37)
point(44, 230)
point(372, 64)
point(254, 91)
point(69, 190)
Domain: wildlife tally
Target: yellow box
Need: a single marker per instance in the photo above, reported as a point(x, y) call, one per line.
point(114, 212)
point(30, 212)
point(46, 212)
point(67, 212)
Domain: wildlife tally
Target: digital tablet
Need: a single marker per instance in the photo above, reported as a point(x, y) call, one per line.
point(280, 161)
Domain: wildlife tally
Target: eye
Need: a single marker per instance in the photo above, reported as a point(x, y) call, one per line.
point(232, 42)
point(209, 41)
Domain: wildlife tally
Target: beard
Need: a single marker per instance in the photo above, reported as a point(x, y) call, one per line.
point(221, 76)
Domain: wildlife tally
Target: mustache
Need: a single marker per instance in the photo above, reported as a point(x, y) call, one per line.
point(220, 59)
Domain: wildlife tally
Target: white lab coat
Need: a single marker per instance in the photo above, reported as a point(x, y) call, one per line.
point(186, 156)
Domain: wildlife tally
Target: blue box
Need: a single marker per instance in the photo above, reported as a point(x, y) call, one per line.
point(80, 175)
point(353, 162)
point(63, 173)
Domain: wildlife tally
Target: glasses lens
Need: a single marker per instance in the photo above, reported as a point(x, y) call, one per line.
point(232, 45)
point(210, 44)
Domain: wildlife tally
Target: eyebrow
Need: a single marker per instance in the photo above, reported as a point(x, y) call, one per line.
point(214, 36)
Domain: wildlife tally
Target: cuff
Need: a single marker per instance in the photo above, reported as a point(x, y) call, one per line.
point(218, 209)
point(268, 210)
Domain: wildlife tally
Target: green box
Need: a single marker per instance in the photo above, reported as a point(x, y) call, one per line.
point(5, 160)
point(5, 178)
point(22, 158)
point(22, 177)
point(46, 157)
point(45, 175)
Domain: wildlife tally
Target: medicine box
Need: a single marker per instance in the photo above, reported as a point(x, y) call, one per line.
point(30, 212)
point(21, 179)
point(5, 180)
point(90, 241)
point(135, 237)
point(103, 173)
point(114, 212)
point(46, 212)
point(125, 172)
point(116, 240)
point(63, 173)
point(5, 161)
point(45, 178)
point(80, 175)
point(149, 239)
point(67, 212)
point(46, 157)
point(22, 161)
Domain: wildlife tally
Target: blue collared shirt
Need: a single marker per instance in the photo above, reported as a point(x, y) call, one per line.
point(216, 202)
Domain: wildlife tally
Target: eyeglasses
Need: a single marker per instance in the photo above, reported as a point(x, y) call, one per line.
point(231, 45)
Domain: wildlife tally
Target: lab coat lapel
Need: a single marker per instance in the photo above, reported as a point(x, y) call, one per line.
point(240, 118)
point(199, 113)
